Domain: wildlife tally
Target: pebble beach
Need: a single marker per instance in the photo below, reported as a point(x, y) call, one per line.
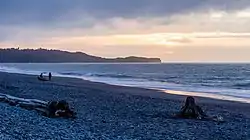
point(107, 112)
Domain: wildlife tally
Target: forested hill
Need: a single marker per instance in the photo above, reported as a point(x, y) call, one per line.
point(56, 56)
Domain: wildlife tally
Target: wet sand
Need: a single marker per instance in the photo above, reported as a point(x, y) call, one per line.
point(114, 112)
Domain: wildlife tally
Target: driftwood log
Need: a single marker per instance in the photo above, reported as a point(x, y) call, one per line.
point(192, 111)
point(48, 109)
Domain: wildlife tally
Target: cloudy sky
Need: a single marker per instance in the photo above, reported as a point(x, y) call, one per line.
point(174, 30)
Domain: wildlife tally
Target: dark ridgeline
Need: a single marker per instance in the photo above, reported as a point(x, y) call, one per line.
point(56, 56)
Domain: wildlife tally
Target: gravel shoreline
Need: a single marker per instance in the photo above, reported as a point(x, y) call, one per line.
point(114, 112)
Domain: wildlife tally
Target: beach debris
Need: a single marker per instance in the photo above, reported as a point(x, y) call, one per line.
point(42, 78)
point(192, 111)
point(60, 109)
point(50, 109)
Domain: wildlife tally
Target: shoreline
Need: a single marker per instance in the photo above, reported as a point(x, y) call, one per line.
point(161, 93)
point(168, 91)
point(114, 112)
point(178, 92)
point(208, 95)
point(208, 92)
point(149, 92)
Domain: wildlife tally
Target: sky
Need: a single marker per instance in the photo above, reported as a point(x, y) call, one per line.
point(173, 30)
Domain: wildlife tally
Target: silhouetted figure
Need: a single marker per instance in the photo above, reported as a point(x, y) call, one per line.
point(41, 75)
point(50, 76)
point(192, 111)
point(42, 78)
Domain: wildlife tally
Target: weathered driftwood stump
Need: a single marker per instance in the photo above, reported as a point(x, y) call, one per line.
point(59, 109)
point(48, 109)
point(191, 111)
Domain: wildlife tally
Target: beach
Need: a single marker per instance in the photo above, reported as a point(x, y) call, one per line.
point(114, 112)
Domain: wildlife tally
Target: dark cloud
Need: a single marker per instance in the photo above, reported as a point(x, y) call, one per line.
point(50, 12)
point(29, 12)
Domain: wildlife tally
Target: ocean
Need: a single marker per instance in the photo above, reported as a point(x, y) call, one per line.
point(211, 80)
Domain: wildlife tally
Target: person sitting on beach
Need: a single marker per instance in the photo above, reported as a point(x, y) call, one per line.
point(50, 76)
point(44, 78)
point(192, 111)
point(41, 75)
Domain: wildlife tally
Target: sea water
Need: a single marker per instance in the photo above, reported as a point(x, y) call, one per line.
point(225, 80)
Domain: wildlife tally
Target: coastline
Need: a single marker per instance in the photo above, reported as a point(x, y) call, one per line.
point(115, 112)
point(207, 92)
point(231, 91)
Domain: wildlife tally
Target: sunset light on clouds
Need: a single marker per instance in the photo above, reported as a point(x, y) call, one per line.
point(192, 30)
